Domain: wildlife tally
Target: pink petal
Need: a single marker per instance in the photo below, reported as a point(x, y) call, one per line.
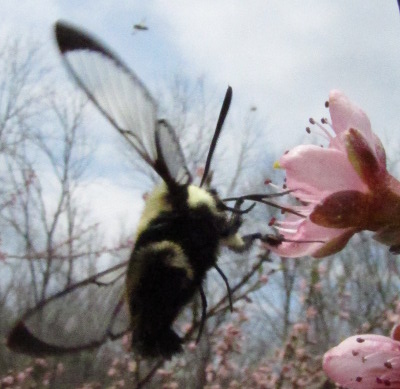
point(364, 362)
point(320, 172)
point(334, 245)
point(345, 115)
point(323, 241)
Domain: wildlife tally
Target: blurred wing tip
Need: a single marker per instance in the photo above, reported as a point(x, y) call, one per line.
point(70, 38)
point(21, 340)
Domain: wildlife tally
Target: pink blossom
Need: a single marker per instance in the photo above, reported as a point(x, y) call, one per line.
point(41, 362)
point(301, 353)
point(263, 279)
point(365, 362)
point(171, 385)
point(112, 372)
point(200, 171)
point(344, 315)
point(192, 346)
point(209, 367)
point(60, 368)
point(299, 328)
point(127, 342)
point(223, 372)
point(343, 189)
point(7, 381)
point(164, 373)
point(242, 316)
point(186, 327)
point(21, 377)
point(115, 362)
point(234, 384)
point(311, 312)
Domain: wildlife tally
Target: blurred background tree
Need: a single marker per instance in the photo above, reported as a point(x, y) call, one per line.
point(287, 312)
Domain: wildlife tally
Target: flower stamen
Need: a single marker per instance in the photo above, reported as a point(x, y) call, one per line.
point(285, 230)
point(270, 184)
point(325, 133)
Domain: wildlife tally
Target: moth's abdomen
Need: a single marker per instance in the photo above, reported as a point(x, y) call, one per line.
point(159, 284)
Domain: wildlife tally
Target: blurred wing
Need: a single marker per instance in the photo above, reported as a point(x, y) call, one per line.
point(171, 163)
point(112, 86)
point(81, 317)
point(123, 99)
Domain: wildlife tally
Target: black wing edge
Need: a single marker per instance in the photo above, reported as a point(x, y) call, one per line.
point(70, 38)
point(21, 340)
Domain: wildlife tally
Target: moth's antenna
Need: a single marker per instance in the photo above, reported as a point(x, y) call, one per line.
point(221, 119)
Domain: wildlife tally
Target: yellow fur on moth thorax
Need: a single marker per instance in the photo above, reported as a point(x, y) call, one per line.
point(157, 202)
point(199, 196)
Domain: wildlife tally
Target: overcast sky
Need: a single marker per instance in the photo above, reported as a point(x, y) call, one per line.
point(281, 56)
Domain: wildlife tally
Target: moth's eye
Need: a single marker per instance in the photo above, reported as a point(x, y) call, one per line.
point(213, 192)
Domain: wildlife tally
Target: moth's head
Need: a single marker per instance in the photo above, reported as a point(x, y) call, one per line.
point(218, 202)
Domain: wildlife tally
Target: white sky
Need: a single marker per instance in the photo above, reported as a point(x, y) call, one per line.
point(281, 56)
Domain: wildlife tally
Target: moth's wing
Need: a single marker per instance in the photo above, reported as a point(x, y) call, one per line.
point(123, 99)
point(81, 317)
point(115, 89)
point(170, 163)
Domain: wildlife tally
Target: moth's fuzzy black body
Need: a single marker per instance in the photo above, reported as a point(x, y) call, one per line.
point(169, 263)
point(179, 234)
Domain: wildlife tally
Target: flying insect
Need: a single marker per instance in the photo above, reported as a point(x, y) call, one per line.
point(179, 234)
point(140, 27)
